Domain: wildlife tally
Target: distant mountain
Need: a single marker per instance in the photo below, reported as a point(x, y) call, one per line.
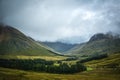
point(99, 36)
point(14, 42)
point(98, 44)
point(75, 49)
point(59, 46)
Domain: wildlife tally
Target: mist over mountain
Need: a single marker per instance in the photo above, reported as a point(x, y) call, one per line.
point(59, 39)
point(100, 36)
point(73, 21)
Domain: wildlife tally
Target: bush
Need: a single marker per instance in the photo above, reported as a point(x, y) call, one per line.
point(94, 58)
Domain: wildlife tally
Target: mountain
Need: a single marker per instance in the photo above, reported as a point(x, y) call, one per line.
point(14, 42)
point(98, 44)
point(99, 36)
point(75, 49)
point(59, 46)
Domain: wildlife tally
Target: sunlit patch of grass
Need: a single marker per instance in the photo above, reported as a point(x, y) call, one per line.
point(89, 68)
point(42, 57)
point(56, 64)
point(32, 57)
point(70, 62)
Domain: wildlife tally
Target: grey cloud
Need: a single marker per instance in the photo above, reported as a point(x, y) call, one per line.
point(68, 20)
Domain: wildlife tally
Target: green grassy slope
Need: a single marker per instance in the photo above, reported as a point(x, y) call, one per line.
point(112, 61)
point(13, 42)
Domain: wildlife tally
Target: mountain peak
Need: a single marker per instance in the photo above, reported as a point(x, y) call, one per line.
point(98, 36)
point(8, 29)
point(14, 42)
point(8, 32)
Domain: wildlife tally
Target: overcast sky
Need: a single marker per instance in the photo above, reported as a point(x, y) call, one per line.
point(72, 21)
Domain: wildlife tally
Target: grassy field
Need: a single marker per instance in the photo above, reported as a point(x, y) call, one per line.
point(12, 74)
point(92, 72)
point(112, 59)
point(32, 57)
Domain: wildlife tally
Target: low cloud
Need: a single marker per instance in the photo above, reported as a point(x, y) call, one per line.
point(66, 20)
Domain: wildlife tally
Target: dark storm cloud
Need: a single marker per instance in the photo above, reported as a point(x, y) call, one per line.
point(68, 20)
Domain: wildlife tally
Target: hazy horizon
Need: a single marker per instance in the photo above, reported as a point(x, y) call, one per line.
point(70, 21)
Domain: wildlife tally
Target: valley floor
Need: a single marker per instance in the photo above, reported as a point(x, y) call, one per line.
point(99, 74)
point(95, 71)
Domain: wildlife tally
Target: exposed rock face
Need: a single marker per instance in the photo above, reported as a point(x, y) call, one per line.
point(98, 36)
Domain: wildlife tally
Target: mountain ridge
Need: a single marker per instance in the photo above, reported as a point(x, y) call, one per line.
point(59, 46)
point(98, 44)
point(14, 42)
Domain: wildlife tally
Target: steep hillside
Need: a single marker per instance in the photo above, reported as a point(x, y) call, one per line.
point(14, 42)
point(112, 61)
point(98, 44)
